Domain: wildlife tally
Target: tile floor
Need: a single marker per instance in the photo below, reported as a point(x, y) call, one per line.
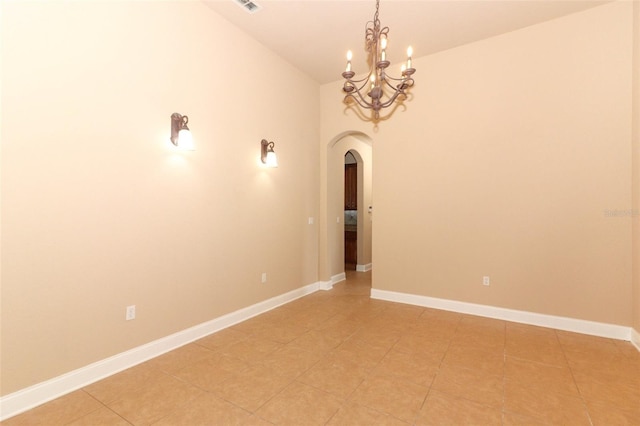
point(340, 358)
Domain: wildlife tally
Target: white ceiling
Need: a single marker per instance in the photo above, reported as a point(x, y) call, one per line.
point(315, 35)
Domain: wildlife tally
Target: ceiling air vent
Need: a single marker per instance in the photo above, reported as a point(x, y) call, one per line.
point(248, 5)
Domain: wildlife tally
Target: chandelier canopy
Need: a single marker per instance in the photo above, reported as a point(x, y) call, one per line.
point(377, 90)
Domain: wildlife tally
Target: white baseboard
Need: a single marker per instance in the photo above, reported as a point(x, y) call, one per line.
point(364, 268)
point(28, 398)
point(635, 338)
point(328, 285)
point(560, 323)
point(325, 285)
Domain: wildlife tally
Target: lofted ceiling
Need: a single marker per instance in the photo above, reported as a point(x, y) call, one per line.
point(315, 35)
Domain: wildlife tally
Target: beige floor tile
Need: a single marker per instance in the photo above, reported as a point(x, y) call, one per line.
point(430, 347)
point(320, 341)
point(102, 417)
point(335, 374)
point(255, 420)
point(158, 398)
point(473, 385)
point(535, 349)
point(601, 386)
point(398, 398)
point(300, 404)
point(544, 405)
point(521, 339)
point(281, 332)
point(368, 354)
point(478, 324)
point(474, 358)
point(251, 350)
point(291, 361)
point(603, 359)
point(63, 410)
point(211, 372)
point(441, 317)
point(606, 414)
point(585, 342)
point(109, 389)
point(180, 358)
point(443, 409)
point(401, 314)
point(487, 340)
point(358, 415)
point(341, 331)
point(222, 338)
point(253, 325)
point(411, 367)
point(251, 388)
point(541, 376)
point(311, 318)
point(513, 419)
point(378, 335)
point(340, 357)
point(207, 409)
point(440, 331)
point(515, 329)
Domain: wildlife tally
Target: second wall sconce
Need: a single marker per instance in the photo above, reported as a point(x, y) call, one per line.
point(268, 156)
point(180, 133)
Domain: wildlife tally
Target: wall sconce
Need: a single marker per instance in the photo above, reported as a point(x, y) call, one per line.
point(180, 133)
point(268, 156)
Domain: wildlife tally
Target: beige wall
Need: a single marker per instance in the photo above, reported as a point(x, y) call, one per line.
point(636, 166)
point(98, 212)
point(508, 162)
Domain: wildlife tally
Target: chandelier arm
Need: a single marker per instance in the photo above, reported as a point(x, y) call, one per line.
point(387, 77)
point(405, 84)
point(393, 98)
point(364, 105)
point(362, 101)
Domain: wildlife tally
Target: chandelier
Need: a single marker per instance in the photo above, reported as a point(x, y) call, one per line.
point(377, 90)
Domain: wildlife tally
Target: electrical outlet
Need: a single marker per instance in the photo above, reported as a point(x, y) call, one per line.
point(264, 277)
point(131, 313)
point(486, 280)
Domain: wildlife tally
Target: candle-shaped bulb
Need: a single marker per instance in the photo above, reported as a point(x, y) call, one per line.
point(403, 68)
point(349, 55)
point(409, 54)
point(383, 46)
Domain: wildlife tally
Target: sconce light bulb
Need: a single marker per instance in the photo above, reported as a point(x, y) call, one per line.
point(185, 140)
point(271, 160)
point(349, 55)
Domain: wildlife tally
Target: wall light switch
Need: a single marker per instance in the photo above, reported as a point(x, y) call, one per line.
point(310, 221)
point(264, 277)
point(486, 280)
point(131, 313)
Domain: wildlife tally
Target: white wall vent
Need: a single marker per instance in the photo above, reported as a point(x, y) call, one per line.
point(249, 5)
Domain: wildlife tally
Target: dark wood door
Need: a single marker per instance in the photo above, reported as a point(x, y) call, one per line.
point(350, 186)
point(350, 249)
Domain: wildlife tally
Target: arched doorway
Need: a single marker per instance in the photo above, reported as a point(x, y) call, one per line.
point(332, 243)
